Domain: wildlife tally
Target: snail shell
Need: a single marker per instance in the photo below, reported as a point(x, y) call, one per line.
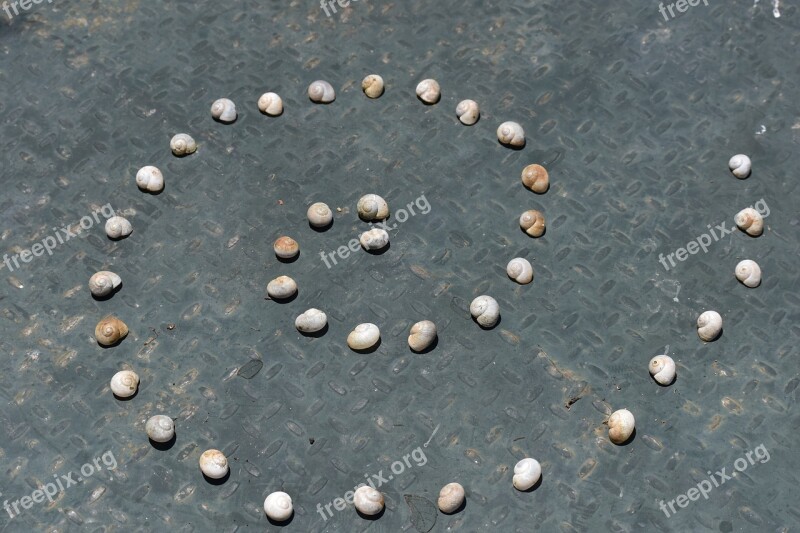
point(451, 497)
point(709, 325)
point(428, 91)
point(662, 368)
point(485, 310)
point(124, 383)
point(281, 287)
point(372, 85)
point(214, 464)
point(749, 273)
point(311, 321)
point(527, 473)
point(286, 247)
point(319, 215)
point(160, 428)
point(364, 337)
point(422, 335)
point(740, 166)
point(110, 330)
point(103, 283)
point(223, 110)
point(372, 207)
point(535, 178)
point(321, 91)
point(150, 179)
point(278, 506)
point(620, 426)
point(468, 112)
point(368, 501)
point(374, 239)
point(270, 104)
point(182, 144)
point(118, 227)
point(520, 270)
point(750, 221)
point(511, 134)
point(532, 222)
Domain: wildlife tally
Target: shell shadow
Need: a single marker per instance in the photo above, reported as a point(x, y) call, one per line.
point(515, 148)
point(381, 251)
point(630, 439)
point(107, 296)
point(219, 481)
point(429, 349)
point(531, 236)
point(372, 517)
point(288, 260)
point(164, 446)
point(272, 116)
point(107, 346)
point(666, 385)
point(315, 334)
point(129, 398)
point(281, 523)
point(287, 300)
point(120, 238)
point(226, 122)
point(321, 229)
point(534, 486)
point(458, 510)
point(372, 349)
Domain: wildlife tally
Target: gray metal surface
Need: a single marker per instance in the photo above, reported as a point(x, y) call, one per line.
point(634, 116)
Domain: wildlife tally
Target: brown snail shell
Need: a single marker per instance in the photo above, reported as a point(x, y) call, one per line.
point(532, 222)
point(535, 178)
point(110, 330)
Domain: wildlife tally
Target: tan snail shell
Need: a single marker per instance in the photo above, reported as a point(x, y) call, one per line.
point(214, 464)
point(429, 91)
point(124, 383)
point(160, 428)
point(270, 104)
point(150, 179)
point(319, 215)
point(520, 270)
point(511, 134)
point(709, 325)
point(749, 273)
point(182, 144)
point(118, 227)
point(527, 473)
point(368, 501)
point(364, 336)
point(372, 86)
point(278, 506)
point(485, 310)
point(286, 247)
point(311, 321)
point(110, 330)
point(532, 222)
point(750, 221)
point(662, 368)
point(321, 92)
point(620, 426)
point(372, 207)
point(374, 239)
point(422, 335)
point(468, 112)
point(223, 110)
point(451, 497)
point(536, 178)
point(281, 288)
point(740, 166)
point(103, 283)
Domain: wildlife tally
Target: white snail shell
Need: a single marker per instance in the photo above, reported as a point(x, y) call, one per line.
point(278, 506)
point(311, 321)
point(372, 85)
point(270, 104)
point(532, 222)
point(740, 166)
point(319, 215)
point(520, 270)
point(429, 91)
point(124, 383)
point(150, 179)
point(709, 325)
point(118, 227)
point(372, 207)
point(451, 497)
point(750, 221)
point(620, 426)
point(527, 473)
point(281, 287)
point(511, 134)
point(368, 501)
point(662, 368)
point(223, 110)
point(374, 239)
point(422, 335)
point(286, 247)
point(364, 336)
point(468, 112)
point(321, 91)
point(160, 428)
point(103, 283)
point(535, 178)
point(110, 330)
point(182, 144)
point(485, 310)
point(749, 273)
point(214, 464)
